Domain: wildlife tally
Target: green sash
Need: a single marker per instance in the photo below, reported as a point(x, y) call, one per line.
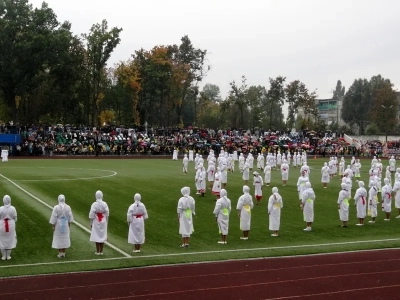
point(188, 213)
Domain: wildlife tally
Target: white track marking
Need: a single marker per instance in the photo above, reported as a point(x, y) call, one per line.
point(223, 251)
point(75, 222)
point(113, 173)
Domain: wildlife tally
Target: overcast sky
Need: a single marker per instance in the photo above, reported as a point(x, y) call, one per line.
point(315, 41)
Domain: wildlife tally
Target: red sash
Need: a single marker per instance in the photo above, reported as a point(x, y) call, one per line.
point(389, 195)
point(6, 225)
point(363, 200)
point(99, 216)
point(138, 216)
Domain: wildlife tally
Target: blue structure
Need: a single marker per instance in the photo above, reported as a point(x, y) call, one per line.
point(10, 140)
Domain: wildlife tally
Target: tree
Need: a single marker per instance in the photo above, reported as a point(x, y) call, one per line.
point(383, 111)
point(256, 97)
point(193, 60)
point(276, 97)
point(28, 38)
point(356, 104)
point(339, 91)
point(100, 43)
point(212, 92)
point(238, 96)
point(295, 92)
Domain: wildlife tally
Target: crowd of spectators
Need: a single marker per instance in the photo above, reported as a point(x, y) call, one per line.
point(63, 139)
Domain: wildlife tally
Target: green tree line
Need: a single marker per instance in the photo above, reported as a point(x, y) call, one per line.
point(50, 75)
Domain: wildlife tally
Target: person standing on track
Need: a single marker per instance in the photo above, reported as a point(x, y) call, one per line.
point(136, 215)
point(98, 216)
point(61, 219)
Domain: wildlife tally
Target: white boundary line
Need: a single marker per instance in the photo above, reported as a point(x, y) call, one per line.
point(75, 222)
point(222, 251)
point(70, 179)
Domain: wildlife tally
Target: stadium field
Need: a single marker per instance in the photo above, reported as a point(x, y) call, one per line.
point(34, 185)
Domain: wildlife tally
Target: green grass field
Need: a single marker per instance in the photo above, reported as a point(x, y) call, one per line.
point(35, 184)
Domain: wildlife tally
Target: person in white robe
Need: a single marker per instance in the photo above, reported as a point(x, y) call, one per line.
point(246, 173)
point(396, 190)
point(98, 215)
point(341, 167)
point(275, 204)
point(222, 211)
point(197, 180)
point(301, 184)
point(267, 175)
point(284, 172)
point(224, 173)
point(61, 219)
point(203, 177)
point(325, 175)
point(308, 206)
point(4, 155)
point(295, 160)
point(373, 202)
point(397, 174)
point(175, 154)
point(346, 180)
point(244, 206)
point(357, 170)
point(305, 168)
point(392, 164)
point(343, 205)
point(388, 174)
point(250, 159)
point(216, 189)
point(136, 215)
point(360, 202)
point(379, 166)
point(8, 235)
point(262, 162)
point(258, 184)
point(210, 173)
point(241, 162)
point(191, 155)
point(387, 199)
point(185, 163)
point(259, 161)
point(186, 210)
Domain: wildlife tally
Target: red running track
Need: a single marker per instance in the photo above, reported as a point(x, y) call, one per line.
point(353, 275)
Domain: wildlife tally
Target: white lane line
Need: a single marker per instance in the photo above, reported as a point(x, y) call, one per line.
point(113, 173)
point(75, 222)
point(224, 251)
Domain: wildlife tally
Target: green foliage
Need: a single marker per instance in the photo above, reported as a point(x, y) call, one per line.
point(339, 91)
point(372, 129)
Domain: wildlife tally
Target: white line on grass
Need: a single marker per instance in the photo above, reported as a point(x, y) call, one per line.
point(113, 173)
point(75, 222)
point(216, 251)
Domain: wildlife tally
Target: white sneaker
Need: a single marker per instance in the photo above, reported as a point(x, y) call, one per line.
point(3, 258)
point(220, 242)
point(371, 222)
point(59, 255)
point(242, 238)
point(97, 253)
point(8, 257)
point(274, 234)
point(101, 253)
point(359, 224)
point(386, 219)
point(398, 217)
point(136, 251)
